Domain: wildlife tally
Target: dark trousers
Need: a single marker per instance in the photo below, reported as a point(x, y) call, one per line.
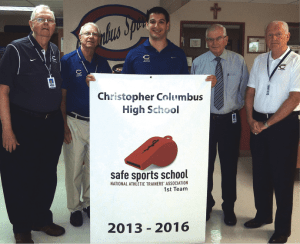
point(226, 135)
point(274, 156)
point(28, 174)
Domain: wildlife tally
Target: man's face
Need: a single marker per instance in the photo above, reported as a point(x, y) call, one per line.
point(216, 41)
point(43, 29)
point(89, 37)
point(157, 26)
point(276, 37)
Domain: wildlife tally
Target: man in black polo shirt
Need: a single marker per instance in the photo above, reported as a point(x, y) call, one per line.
point(32, 127)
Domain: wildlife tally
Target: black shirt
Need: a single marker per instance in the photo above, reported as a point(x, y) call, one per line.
point(22, 68)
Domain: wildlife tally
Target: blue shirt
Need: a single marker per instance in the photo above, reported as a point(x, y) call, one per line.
point(145, 59)
point(235, 77)
point(73, 74)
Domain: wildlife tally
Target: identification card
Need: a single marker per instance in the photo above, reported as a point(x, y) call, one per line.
point(51, 83)
point(234, 120)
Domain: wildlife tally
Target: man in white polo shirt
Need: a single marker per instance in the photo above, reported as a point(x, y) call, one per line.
point(272, 105)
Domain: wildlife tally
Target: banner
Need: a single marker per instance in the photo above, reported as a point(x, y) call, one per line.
point(149, 158)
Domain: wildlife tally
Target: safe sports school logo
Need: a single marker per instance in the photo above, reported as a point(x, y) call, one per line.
point(122, 28)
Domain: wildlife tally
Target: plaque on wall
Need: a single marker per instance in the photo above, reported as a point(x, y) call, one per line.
point(256, 44)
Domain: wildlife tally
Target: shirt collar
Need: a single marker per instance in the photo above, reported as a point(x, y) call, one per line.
point(222, 56)
point(36, 44)
point(281, 57)
point(147, 44)
point(82, 56)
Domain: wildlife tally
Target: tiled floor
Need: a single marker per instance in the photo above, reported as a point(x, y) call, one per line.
point(216, 230)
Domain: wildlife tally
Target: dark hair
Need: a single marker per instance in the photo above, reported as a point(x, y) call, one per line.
point(158, 10)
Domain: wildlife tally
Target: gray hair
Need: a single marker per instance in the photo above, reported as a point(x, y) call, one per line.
point(214, 27)
point(89, 23)
point(276, 22)
point(40, 8)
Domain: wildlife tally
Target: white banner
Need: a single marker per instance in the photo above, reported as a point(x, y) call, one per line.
point(159, 126)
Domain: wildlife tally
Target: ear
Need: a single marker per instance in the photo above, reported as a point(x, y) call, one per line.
point(226, 40)
point(31, 24)
point(79, 38)
point(288, 36)
point(168, 26)
point(147, 26)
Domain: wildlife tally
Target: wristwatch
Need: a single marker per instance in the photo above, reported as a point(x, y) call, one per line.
point(266, 124)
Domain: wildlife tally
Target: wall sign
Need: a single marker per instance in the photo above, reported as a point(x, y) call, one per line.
point(118, 24)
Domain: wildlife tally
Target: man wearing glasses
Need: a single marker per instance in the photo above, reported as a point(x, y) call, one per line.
point(75, 71)
point(227, 98)
point(32, 127)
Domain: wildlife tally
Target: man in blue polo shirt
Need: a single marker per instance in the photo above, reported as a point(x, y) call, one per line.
point(76, 66)
point(157, 55)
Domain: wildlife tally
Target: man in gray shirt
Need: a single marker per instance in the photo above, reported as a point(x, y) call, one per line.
point(227, 98)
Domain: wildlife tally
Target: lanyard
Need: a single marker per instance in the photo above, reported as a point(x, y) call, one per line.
point(84, 64)
point(43, 61)
point(270, 76)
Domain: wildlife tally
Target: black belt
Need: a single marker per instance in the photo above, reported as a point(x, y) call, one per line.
point(77, 116)
point(39, 115)
point(265, 116)
point(222, 116)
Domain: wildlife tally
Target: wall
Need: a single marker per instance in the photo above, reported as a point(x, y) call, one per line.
point(256, 16)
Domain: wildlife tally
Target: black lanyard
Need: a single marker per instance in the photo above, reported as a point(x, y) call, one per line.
point(43, 61)
point(84, 64)
point(276, 66)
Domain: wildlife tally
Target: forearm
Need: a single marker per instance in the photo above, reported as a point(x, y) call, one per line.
point(63, 105)
point(5, 115)
point(286, 108)
point(249, 101)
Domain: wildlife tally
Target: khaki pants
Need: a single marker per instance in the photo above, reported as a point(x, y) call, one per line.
point(77, 174)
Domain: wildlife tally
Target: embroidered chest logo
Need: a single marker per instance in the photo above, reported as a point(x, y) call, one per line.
point(281, 67)
point(54, 59)
point(146, 58)
point(78, 73)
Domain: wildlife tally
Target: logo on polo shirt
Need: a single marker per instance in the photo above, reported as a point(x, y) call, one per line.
point(281, 67)
point(146, 58)
point(78, 73)
point(54, 59)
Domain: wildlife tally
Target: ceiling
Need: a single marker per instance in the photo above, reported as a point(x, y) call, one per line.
point(254, 1)
point(57, 5)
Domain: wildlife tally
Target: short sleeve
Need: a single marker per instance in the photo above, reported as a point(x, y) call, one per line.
point(9, 65)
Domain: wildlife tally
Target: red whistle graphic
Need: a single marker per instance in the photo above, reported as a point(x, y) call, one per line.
point(160, 151)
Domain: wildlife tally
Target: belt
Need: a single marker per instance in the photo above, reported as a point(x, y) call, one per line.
point(39, 115)
point(77, 116)
point(265, 116)
point(222, 116)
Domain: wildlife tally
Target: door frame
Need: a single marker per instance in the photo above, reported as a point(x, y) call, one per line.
point(241, 24)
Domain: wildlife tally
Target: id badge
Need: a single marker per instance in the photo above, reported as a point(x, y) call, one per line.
point(234, 120)
point(51, 83)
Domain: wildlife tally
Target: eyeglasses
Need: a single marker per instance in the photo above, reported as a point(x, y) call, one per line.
point(213, 39)
point(90, 34)
point(43, 20)
point(278, 35)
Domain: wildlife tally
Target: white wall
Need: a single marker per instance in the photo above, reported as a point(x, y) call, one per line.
point(255, 15)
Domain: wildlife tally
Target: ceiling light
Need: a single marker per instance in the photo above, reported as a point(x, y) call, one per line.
point(12, 8)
